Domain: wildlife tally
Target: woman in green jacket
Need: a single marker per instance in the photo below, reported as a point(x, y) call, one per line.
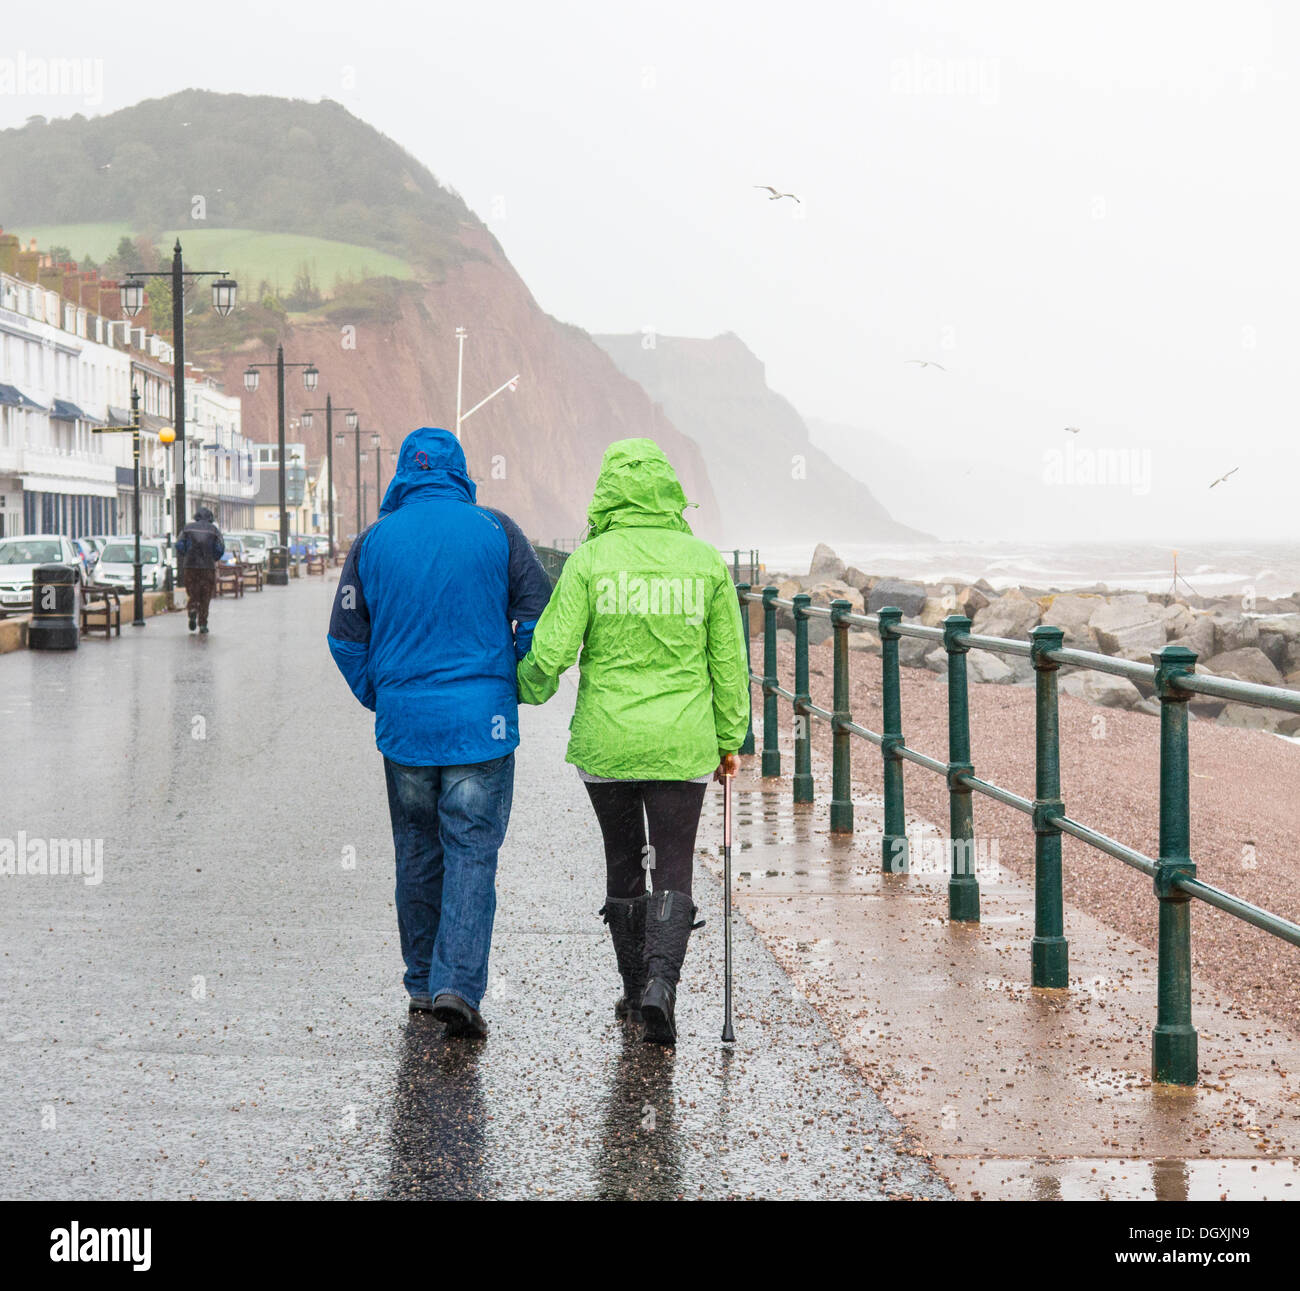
point(663, 703)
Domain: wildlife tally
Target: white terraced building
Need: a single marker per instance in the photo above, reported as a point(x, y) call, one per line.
point(64, 369)
point(59, 375)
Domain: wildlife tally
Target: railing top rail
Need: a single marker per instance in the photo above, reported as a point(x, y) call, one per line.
point(919, 631)
point(1242, 692)
point(1002, 645)
point(1129, 668)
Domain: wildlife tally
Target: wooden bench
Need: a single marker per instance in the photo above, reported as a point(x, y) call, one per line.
point(316, 565)
point(101, 609)
point(228, 581)
point(250, 576)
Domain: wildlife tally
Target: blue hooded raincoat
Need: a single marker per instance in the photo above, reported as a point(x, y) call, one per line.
point(436, 603)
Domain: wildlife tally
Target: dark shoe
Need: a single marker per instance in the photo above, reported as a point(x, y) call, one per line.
point(203, 627)
point(626, 919)
point(669, 921)
point(461, 1020)
point(194, 623)
point(420, 1004)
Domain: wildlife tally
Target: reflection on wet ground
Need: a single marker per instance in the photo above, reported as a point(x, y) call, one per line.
point(1117, 1179)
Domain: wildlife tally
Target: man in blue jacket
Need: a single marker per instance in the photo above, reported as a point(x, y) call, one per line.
point(436, 603)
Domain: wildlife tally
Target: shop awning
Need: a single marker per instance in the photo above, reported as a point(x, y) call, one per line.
point(13, 397)
point(66, 410)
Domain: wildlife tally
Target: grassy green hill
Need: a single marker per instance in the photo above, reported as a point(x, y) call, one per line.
point(252, 256)
point(253, 163)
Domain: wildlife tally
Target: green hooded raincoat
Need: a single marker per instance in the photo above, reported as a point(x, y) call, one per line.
point(664, 680)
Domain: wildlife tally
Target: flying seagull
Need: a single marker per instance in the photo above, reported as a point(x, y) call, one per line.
point(776, 197)
point(1072, 430)
point(1221, 478)
point(927, 363)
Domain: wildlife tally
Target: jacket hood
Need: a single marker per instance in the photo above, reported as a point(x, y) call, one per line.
point(205, 514)
point(637, 487)
point(431, 464)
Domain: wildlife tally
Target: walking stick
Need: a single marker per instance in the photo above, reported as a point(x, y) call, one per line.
point(728, 1034)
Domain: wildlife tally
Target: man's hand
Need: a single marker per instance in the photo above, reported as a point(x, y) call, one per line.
point(728, 767)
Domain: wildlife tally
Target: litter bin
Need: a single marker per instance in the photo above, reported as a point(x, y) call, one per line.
point(54, 609)
point(277, 567)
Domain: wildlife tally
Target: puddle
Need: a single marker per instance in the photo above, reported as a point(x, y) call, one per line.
point(1122, 1179)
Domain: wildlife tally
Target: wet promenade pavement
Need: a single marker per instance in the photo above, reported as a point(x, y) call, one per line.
point(1017, 1093)
point(222, 1016)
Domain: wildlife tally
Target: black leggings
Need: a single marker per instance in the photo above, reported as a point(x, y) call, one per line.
point(672, 808)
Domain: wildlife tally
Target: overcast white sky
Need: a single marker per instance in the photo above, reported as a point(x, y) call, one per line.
point(1088, 214)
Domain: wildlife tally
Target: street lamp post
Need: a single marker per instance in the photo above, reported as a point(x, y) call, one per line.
point(137, 579)
point(329, 453)
point(379, 473)
point(310, 376)
point(224, 291)
point(354, 428)
point(511, 385)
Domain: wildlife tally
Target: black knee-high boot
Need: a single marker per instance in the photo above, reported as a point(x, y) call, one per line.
point(626, 919)
point(669, 920)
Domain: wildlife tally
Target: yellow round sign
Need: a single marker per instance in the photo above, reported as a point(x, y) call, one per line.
point(167, 435)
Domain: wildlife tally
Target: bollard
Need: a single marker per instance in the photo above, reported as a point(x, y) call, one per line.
point(963, 882)
point(803, 782)
point(54, 609)
point(277, 567)
point(1173, 1042)
point(894, 858)
point(742, 591)
point(771, 749)
point(841, 785)
point(1049, 953)
point(735, 565)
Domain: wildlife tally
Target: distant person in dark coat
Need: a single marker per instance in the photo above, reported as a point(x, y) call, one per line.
point(200, 547)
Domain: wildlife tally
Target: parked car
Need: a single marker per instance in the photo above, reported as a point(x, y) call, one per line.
point(303, 545)
point(20, 556)
point(256, 545)
point(99, 541)
point(234, 550)
point(116, 564)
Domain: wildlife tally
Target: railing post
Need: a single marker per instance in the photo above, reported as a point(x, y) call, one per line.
point(963, 882)
point(803, 782)
point(742, 591)
point(1049, 952)
point(841, 784)
point(735, 565)
point(1173, 1042)
point(894, 858)
point(771, 747)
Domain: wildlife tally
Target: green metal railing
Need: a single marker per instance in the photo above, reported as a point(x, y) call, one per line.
point(1174, 680)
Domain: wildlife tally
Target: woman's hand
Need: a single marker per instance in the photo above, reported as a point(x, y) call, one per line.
point(729, 765)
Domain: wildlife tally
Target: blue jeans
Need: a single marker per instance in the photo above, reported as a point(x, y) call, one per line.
point(448, 823)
